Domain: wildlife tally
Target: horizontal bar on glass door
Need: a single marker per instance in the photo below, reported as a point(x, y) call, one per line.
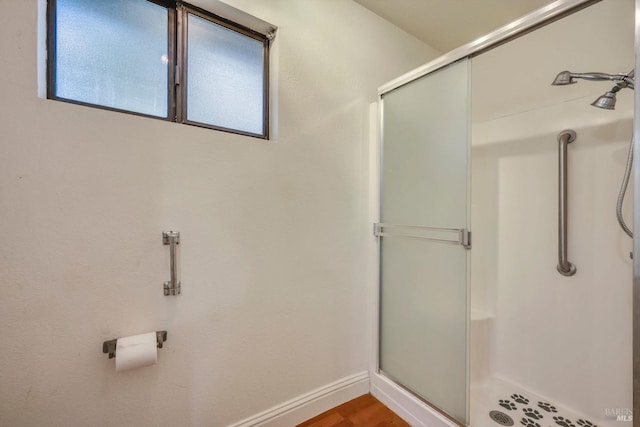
point(453, 236)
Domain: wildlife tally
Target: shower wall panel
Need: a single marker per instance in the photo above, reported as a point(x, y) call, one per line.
point(565, 338)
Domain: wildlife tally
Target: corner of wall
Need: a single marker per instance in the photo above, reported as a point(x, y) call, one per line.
point(310, 404)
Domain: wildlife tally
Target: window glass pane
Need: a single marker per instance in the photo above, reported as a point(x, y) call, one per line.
point(225, 82)
point(113, 53)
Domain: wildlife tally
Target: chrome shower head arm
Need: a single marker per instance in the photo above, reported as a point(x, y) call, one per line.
point(598, 76)
point(622, 80)
point(627, 83)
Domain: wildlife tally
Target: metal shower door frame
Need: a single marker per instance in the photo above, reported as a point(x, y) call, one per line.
point(536, 19)
point(636, 236)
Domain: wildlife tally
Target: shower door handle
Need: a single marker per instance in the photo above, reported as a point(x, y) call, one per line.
point(451, 236)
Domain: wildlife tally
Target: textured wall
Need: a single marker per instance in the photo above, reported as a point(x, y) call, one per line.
point(566, 338)
point(273, 234)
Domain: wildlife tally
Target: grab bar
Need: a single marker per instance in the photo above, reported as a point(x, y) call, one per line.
point(172, 238)
point(565, 267)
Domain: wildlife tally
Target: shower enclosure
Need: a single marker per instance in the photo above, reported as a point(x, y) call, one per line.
point(479, 327)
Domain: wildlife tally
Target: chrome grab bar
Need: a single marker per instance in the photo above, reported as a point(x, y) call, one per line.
point(172, 238)
point(462, 235)
point(565, 267)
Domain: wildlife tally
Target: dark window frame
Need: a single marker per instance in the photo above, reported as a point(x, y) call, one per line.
point(177, 82)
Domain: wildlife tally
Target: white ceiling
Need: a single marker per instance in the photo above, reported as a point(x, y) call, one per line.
point(447, 24)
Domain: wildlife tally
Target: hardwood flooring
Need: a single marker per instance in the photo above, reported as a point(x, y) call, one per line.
point(363, 411)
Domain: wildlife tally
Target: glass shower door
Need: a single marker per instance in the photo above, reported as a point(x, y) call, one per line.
point(424, 238)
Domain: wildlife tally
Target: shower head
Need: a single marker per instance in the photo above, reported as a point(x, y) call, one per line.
point(567, 78)
point(608, 100)
point(563, 78)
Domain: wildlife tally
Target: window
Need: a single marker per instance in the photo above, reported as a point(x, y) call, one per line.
point(161, 59)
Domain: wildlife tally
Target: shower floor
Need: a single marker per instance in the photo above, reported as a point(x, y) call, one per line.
point(522, 408)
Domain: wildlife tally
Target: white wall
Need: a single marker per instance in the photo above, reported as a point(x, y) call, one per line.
point(273, 233)
point(566, 338)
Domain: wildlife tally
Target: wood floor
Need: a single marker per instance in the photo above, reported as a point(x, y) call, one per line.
point(363, 411)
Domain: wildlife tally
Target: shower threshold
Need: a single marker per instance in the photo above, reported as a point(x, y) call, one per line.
point(499, 403)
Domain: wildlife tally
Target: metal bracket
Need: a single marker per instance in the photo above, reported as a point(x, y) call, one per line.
point(465, 238)
point(271, 33)
point(169, 237)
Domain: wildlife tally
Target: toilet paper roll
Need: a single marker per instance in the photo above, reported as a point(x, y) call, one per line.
point(136, 351)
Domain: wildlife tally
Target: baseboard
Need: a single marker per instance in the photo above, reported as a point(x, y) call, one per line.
point(309, 405)
point(407, 406)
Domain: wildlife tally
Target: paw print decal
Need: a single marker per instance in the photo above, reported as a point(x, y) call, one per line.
point(508, 405)
point(535, 414)
point(564, 422)
point(529, 423)
point(547, 407)
point(585, 423)
point(520, 398)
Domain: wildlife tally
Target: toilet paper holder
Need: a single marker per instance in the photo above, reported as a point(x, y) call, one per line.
point(110, 346)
